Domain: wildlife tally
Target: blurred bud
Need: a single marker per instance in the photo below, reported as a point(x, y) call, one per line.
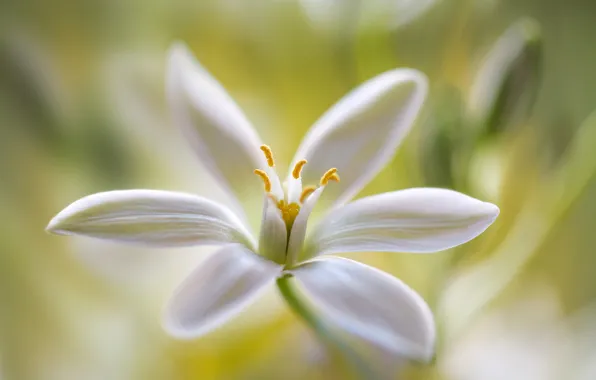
point(440, 138)
point(507, 83)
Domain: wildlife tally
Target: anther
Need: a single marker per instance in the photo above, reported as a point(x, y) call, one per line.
point(265, 179)
point(306, 192)
point(334, 177)
point(298, 168)
point(330, 175)
point(268, 155)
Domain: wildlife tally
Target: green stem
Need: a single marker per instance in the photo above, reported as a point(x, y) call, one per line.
point(322, 329)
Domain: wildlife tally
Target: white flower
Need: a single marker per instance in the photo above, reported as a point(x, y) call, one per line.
point(354, 139)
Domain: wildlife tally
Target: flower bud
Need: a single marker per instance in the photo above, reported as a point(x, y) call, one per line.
point(507, 83)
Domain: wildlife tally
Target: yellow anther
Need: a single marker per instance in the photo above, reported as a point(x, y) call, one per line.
point(334, 177)
point(298, 168)
point(289, 212)
point(308, 190)
point(330, 175)
point(265, 179)
point(268, 155)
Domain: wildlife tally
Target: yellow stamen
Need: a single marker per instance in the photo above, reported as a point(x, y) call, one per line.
point(298, 168)
point(268, 155)
point(330, 175)
point(265, 179)
point(308, 190)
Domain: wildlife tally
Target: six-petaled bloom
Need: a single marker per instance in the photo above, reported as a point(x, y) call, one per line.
point(342, 152)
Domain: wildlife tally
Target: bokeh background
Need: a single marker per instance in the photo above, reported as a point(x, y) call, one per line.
point(508, 120)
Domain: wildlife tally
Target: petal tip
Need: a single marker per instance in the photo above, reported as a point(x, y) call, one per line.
point(427, 353)
point(58, 225)
point(68, 216)
point(178, 332)
point(418, 78)
point(177, 51)
point(416, 84)
point(174, 328)
point(496, 210)
point(53, 227)
point(429, 357)
point(179, 62)
point(492, 211)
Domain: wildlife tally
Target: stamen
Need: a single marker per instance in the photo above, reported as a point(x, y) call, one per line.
point(268, 155)
point(298, 168)
point(265, 179)
point(306, 192)
point(330, 175)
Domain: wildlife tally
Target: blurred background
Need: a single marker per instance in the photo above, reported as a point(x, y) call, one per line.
point(508, 120)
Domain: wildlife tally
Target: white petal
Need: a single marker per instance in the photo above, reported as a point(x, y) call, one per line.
point(151, 217)
point(222, 136)
point(274, 235)
point(298, 231)
point(221, 287)
point(370, 304)
point(412, 220)
point(360, 134)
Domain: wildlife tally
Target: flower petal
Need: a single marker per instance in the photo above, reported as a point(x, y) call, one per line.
point(412, 220)
point(222, 136)
point(151, 217)
point(221, 287)
point(370, 304)
point(360, 133)
point(298, 231)
point(274, 235)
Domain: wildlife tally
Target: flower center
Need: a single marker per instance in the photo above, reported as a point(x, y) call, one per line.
point(289, 212)
point(291, 197)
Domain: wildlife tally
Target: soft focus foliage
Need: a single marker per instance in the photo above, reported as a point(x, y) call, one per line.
point(83, 109)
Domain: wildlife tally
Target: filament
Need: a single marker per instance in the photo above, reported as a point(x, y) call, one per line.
point(306, 192)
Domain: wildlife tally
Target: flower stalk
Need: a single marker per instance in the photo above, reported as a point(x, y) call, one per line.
point(323, 331)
